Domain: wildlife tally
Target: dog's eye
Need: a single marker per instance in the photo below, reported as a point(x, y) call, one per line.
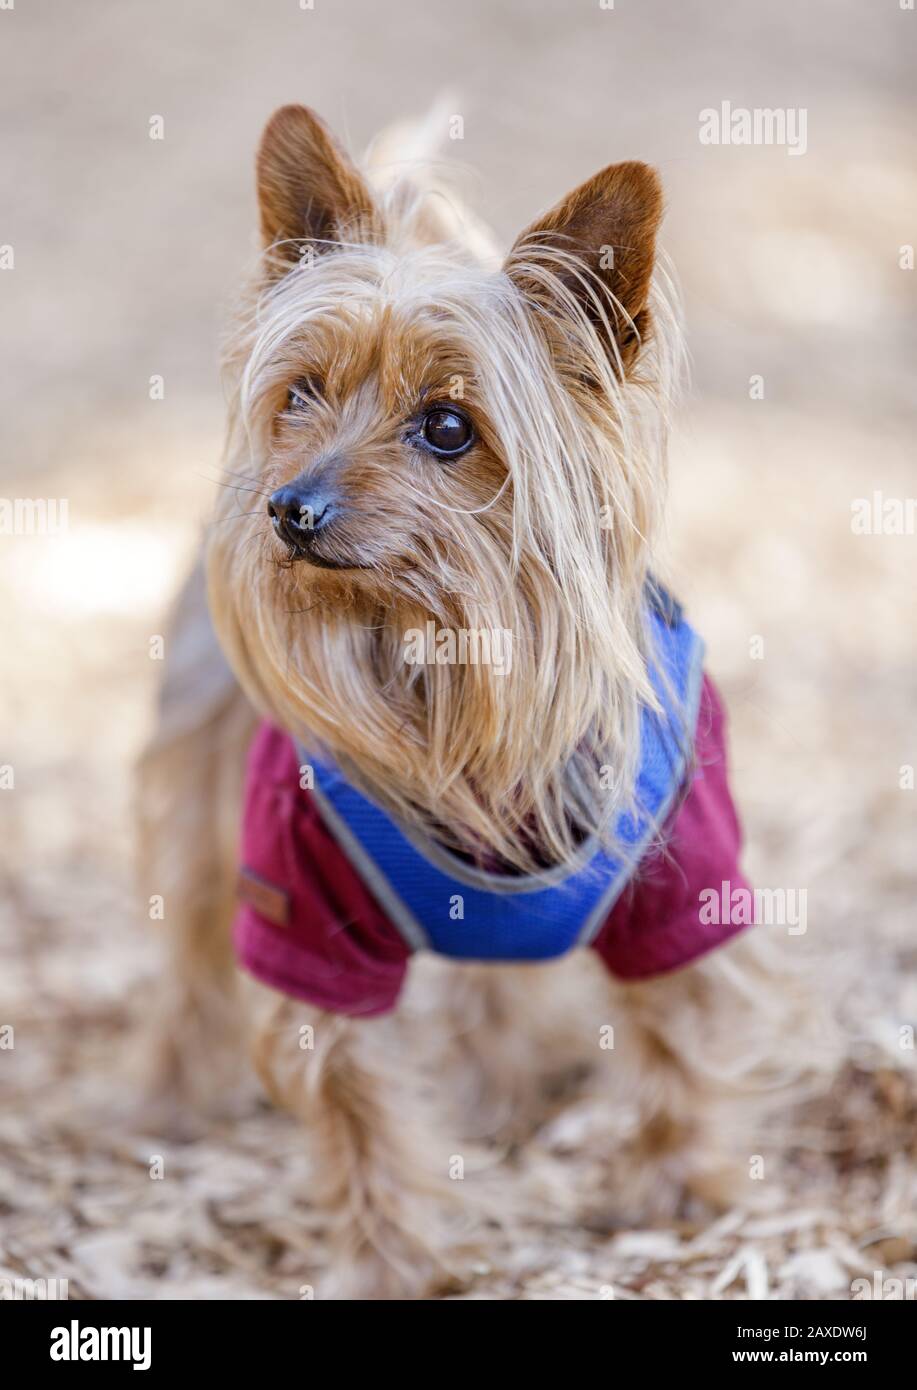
point(446, 432)
point(302, 391)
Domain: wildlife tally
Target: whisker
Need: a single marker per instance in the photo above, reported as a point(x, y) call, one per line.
point(236, 487)
point(236, 516)
point(230, 473)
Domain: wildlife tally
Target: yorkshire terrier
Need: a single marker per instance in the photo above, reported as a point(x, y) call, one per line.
point(476, 723)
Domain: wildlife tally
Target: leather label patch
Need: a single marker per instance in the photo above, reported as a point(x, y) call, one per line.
point(269, 901)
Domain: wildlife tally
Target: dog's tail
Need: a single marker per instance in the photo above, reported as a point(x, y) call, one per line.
point(188, 796)
point(414, 142)
point(417, 186)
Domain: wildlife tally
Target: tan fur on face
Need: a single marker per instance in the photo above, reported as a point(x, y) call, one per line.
point(508, 537)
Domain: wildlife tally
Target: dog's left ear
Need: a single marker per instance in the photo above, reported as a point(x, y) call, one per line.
point(308, 189)
point(608, 226)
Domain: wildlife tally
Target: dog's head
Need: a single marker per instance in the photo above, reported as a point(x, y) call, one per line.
point(423, 445)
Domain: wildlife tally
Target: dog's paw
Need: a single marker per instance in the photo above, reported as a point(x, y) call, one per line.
point(647, 1189)
point(388, 1263)
point(724, 1183)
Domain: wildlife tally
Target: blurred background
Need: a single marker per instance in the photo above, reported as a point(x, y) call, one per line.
point(126, 252)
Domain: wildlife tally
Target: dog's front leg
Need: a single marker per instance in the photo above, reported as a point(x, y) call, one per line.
point(705, 1056)
point(377, 1171)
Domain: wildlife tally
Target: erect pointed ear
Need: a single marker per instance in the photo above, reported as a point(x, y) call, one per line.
point(609, 226)
point(308, 189)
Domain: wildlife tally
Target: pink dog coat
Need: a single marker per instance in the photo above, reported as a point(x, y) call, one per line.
point(317, 921)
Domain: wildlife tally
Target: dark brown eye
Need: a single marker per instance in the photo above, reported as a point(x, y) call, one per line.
point(302, 392)
point(445, 432)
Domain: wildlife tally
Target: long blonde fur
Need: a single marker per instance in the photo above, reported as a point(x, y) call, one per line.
point(554, 552)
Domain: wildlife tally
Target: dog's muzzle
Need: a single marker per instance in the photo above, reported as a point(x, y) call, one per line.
point(300, 512)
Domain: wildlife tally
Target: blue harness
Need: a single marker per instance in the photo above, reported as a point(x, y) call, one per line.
point(439, 902)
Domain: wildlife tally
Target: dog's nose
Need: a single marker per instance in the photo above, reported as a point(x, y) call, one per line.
point(299, 510)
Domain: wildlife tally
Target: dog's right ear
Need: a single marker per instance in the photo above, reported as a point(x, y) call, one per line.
point(308, 189)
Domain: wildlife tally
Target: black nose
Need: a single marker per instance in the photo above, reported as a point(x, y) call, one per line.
point(299, 510)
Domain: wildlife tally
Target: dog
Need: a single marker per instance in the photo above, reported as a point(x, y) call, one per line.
point(427, 665)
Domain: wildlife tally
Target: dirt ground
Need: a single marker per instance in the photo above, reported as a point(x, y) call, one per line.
point(127, 250)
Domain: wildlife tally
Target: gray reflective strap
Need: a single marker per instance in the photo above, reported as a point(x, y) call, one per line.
point(596, 918)
point(402, 918)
